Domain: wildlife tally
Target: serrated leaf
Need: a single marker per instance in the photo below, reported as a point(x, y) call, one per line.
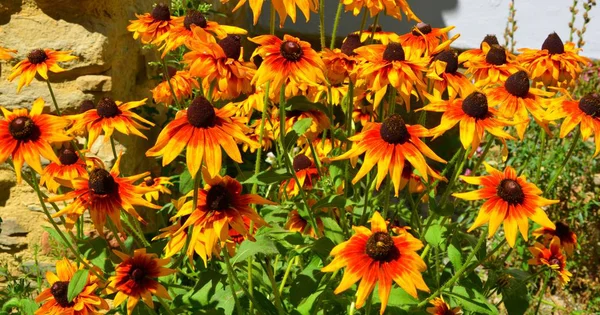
point(434, 235)
point(269, 177)
point(263, 245)
point(186, 183)
point(77, 284)
point(472, 300)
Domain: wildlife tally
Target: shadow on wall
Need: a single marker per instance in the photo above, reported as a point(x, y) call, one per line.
point(8, 8)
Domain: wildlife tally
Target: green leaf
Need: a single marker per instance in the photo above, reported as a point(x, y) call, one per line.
point(472, 300)
point(54, 234)
point(455, 256)
point(303, 104)
point(77, 284)
point(28, 306)
point(269, 177)
point(333, 230)
point(298, 129)
point(186, 183)
point(514, 293)
point(263, 245)
point(434, 235)
point(332, 202)
point(322, 247)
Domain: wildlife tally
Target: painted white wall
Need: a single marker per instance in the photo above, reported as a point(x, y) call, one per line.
point(473, 20)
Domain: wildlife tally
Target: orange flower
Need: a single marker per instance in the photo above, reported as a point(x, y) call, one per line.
point(319, 122)
point(39, 61)
point(510, 200)
point(55, 297)
point(182, 83)
point(177, 236)
point(415, 180)
point(470, 56)
point(69, 167)
point(306, 172)
point(392, 8)
point(497, 66)
point(5, 53)
point(551, 257)
point(388, 145)
point(568, 239)
point(297, 223)
point(555, 65)
point(443, 71)
point(425, 39)
point(154, 27)
point(440, 307)
point(108, 116)
point(135, 279)
point(339, 63)
point(25, 136)
point(375, 257)
point(290, 60)
point(284, 8)
point(203, 130)
point(104, 194)
point(378, 35)
point(159, 184)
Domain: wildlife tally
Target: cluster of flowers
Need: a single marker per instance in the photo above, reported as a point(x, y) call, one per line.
point(498, 90)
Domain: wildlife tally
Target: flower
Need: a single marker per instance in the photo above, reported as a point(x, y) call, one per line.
point(135, 279)
point(25, 136)
point(221, 207)
point(443, 71)
point(470, 56)
point(497, 65)
point(104, 194)
point(70, 166)
point(5, 53)
point(585, 113)
point(221, 67)
point(306, 172)
point(551, 257)
point(392, 8)
point(159, 184)
point(108, 116)
point(39, 61)
point(392, 64)
point(284, 61)
point(154, 27)
point(377, 34)
point(425, 38)
point(55, 297)
point(388, 145)
point(567, 238)
point(339, 63)
point(284, 8)
point(473, 114)
point(296, 223)
point(415, 181)
point(319, 122)
point(203, 130)
point(555, 65)
point(375, 257)
point(182, 83)
point(440, 307)
point(177, 236)
point(510, 200)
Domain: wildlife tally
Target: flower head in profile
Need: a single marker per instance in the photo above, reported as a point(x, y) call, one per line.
point(135, 279)
point(339, 63)
point(6, 54)
point(440, 307)
point(70, 166)
point(202, 130)
point(555, 65)
point(497, 65)
point(296, 223)
point(377, 34)
point(27, 135)
point(477, 55)
point(425, 38)
point(389, 145)
point(181, 82)
point(176, 236)
point(375, 257)
point(393, 8)
point(567, 238)
point(284, 8)
point(306, 172)
point(152, 27)
point(159, 184)
point(551, 257)
point(510, 200)
point(108, 116)
point(443, 72)
point(55, 299)
point(39, 61)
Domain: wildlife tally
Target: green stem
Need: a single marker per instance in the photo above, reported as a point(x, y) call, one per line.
point(543, 290)
point(113, 229)
point(392, 101)
point(230, 280)
point(338, 14)
point(237, 281)
point(276, 294)
point(136, 229)
point(261, 136)
point(165, 305)
point(576, 138)
point(112, 146)
point(538, 173)
point(53, 98)
point(291, 263)
point(363, 217)
point(488, 145)
point(166, 74)
point(322, 23)
point(386, 195)
point(363, 22)
point(375, 22)
point(369, 304)
point(272, 20)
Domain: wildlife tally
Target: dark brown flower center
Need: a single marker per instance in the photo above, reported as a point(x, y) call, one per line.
point(496, 55)
point(381, 247)
point(590, 104)
point(68, 156)
point(394, 52)
point(161, 12)
point(149, 182)
point(59, 290)
point(23, 128)
point(562, 231)
point(291, 50)
point(490, 39)
point(196, 18)
point(301, 162)
point(423, 27)
point(86, 105)
point(101, 182)
point(107, 108)
point(218, 198)
point(393, 130)
point(510, 191)
point(351, 42)
point(518, 84)
point(475, 105)
point(171, 72)
point(137, 275)
point(451, 60)
point(37, 56)
point(407, 170)
point(375, 28)
point(554, 44)
point(232, 46)
point(201, 113)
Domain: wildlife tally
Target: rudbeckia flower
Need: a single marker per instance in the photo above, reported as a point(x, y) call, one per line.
point(510, 200)
point(339, 63)
point(470, 56)
point(400, 67)
point(319, 122)
point(497, 66)
point(221, 207)
point(415, 181)
point(70, 166)
point(378, 35)
point(5, 53)
point(440, 307)
point(136, 278)
point(306, 172)
point(152, 27)
point(375, 257)
point(284, 8)
point(181, 81)
point(443, 71)
point(296, 223)
point(25, 136)
point(159, 186)
point(108, 116)
point(253, 101)
point(254, 134)
point(177, 236)
point(555, 65)
point(425, 38)
point(474, 116)
point(55, 298)
point(284, 61)
point(585, 113)
point(104, 194)
point(203, 130)
point(388, 145)
point(39, 61)
point(221, 67)
point(567, 238)
point(392, 8)
point(551, 257)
